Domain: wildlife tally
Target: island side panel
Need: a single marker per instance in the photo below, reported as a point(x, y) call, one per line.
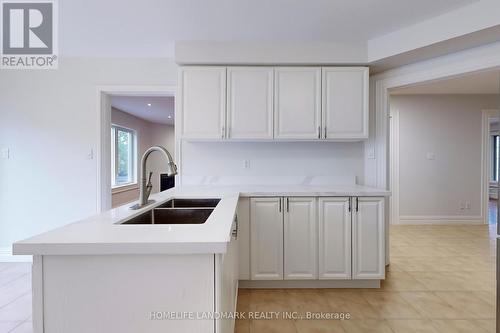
point(37, 293)
point(127, 293)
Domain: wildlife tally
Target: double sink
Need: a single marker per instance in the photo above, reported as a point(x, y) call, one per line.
point(177, 211)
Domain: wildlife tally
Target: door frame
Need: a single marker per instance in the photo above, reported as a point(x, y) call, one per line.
point(104, 94)
point(483, 58)
point(486, 161)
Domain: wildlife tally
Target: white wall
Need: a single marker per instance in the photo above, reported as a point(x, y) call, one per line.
point(448, 126)
point(49, 121)
point(279, 162)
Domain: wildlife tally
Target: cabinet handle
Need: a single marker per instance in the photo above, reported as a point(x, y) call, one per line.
point(287, 205)
point(280, 206)
point(319, 132)
point(222, 133)
point(357, 205)
point(350, 204)
point(324, 136)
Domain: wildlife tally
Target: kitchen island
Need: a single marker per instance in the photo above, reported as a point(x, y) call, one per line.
point(104, 274)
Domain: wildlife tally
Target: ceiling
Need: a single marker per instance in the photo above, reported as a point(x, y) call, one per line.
point(478, 83)
point(159, 112)
point(151, 27)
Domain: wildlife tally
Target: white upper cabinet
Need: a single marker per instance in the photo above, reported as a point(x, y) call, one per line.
point(266, 239)
point(250, 102)
point(300, 234)
point(345, 103)
point(203, 102)
point(265, 103)
point(297, 103)
point(368, 247)
point(334, 238)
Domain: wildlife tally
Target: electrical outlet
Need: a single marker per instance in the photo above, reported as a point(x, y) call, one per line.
point(461, 205)
point(5, 153)
point(467, 205)
point(431, 156)
point(246, 164)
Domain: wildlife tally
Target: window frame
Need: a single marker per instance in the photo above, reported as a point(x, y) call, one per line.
point(132, 156)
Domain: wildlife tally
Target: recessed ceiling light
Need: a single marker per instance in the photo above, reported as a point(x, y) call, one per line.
point(149, 104)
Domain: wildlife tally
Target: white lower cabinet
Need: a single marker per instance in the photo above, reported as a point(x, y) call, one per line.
point(325, 238)
point(335, 238)
point(368, 246)
point(266, 239)
point(300, 238)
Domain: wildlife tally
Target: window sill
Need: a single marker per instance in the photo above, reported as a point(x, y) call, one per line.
point(124, 188)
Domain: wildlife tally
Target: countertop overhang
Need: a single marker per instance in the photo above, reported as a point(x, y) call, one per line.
point(103, 234)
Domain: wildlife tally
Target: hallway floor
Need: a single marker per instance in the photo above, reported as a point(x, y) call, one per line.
point(441, 279)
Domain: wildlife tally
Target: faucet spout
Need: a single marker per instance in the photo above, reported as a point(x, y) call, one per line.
point(145, 186)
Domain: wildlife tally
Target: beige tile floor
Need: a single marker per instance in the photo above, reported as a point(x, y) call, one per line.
point(441, 279)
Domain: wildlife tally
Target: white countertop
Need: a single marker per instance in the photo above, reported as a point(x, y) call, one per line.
point(100, 234)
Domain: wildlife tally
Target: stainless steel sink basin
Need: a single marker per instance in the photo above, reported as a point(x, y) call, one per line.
point(190, 203)
point(172, 216)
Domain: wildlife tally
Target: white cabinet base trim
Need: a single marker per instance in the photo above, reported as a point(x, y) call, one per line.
point(284, 284)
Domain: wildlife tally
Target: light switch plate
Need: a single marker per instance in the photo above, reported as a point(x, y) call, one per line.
point(5, 153)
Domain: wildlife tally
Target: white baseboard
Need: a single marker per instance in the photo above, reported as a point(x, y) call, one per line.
point(441, 220)
point(7, 256)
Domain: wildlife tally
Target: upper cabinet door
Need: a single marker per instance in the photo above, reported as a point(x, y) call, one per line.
point(368, 247)
point(300, 234)
point(297, 103)
point(250, 102)
point(334, 238)
point(266, 238)
point(345, 103)
point(203, 102)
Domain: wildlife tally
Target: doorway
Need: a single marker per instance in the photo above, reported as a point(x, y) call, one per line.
point(441, 150)
point(133, 119)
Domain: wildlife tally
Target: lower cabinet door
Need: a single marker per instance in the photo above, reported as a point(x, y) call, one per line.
point(334, 238)
point(368, 227)
point(300, 238)
point(266, 238)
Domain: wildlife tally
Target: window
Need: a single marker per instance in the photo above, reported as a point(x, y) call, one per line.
point(123, 156)
point(495, 157)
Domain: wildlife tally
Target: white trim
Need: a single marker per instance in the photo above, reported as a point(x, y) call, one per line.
point(7, 256)
point(394, 167)
point(104, 123)
point(441, 220)
point(486, 115)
